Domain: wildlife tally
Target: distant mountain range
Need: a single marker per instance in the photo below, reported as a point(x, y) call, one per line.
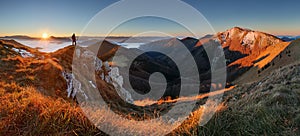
point(24, 37)
point(288, 38)
point(19, 37)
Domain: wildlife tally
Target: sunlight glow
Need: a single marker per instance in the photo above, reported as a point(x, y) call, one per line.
point(45, 36)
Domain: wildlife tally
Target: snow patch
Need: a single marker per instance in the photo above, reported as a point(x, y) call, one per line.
point(249, 39)
point(23, 53)
point(93, 85)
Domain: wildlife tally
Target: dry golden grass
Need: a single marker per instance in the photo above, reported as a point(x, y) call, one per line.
point(24, 111)
point(267, 107)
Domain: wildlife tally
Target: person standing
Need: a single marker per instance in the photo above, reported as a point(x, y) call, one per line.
point(73, 39)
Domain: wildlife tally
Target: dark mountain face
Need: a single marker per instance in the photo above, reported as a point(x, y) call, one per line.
point(198, 54)
point(189, 42)
point(149, 63)
point(243, 50)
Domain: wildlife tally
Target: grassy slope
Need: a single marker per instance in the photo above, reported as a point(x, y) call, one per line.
point(33, 97)
point(267, 107)
point(287, 56)
point(25, 111)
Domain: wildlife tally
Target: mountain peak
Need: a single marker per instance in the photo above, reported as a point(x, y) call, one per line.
point(249, 43)
point(246, 40)
point(240, 30)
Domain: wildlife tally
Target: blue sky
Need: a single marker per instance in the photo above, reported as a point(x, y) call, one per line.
point(63, 17)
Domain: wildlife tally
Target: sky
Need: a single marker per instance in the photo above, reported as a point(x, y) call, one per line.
point(64, 17)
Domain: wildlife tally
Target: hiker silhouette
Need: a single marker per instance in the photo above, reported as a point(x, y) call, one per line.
point(73, 39)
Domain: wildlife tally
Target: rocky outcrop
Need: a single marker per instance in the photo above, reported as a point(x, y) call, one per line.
point(102, 70)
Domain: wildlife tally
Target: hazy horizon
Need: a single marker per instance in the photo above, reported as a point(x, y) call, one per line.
point(125, 36)
point(60, 18)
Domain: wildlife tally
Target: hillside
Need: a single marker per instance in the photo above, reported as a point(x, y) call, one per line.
point(253, 44)
point(269, 61)
point(269, 106)
point(244, 49)
point(28, 67)
point(33, 95)
point(37, 89)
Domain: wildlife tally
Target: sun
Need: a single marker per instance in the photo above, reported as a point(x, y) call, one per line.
point(44, 35)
